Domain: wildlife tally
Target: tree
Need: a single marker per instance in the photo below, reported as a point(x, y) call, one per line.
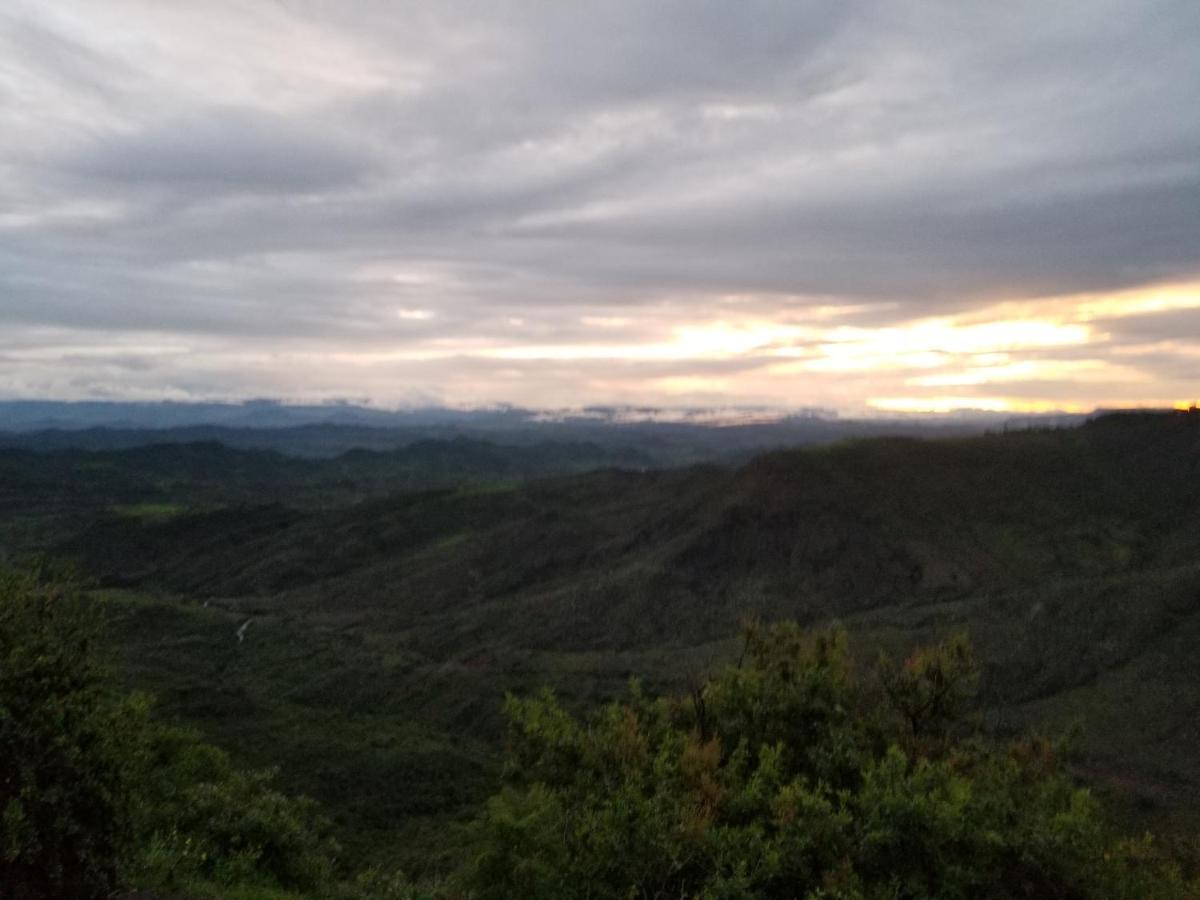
point(95, 794)
point(200, 819)
point(787, 776)
point(933, 687)
point(67, 746)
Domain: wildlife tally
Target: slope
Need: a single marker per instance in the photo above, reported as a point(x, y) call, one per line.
point(1069, 555)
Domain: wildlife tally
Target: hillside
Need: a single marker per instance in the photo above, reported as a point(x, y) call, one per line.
point(619, 558)
point(48, 493)
point(383, 632)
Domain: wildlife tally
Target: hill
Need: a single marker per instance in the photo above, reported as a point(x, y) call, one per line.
point(49, 493)
point(382, 633)
point(667, 437)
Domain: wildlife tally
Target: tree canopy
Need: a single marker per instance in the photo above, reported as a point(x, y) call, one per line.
point(95, 794)
point(797, 774)
point(65, 744)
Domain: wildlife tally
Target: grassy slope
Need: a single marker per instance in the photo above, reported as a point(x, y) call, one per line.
point(384, 634)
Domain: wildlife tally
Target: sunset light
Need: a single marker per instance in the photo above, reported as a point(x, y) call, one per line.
point(410, 212)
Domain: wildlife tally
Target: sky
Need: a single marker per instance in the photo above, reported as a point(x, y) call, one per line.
point(868, 207)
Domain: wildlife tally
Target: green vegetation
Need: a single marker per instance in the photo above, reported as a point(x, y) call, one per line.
point(174, 474)
point(385, 628)
point(786, 776)
point(66, 792)
point(150, 512)
point(95, 794)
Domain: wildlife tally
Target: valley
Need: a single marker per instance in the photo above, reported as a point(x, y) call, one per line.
point(391, 606)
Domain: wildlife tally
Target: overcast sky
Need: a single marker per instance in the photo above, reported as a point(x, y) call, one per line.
point(854, 205)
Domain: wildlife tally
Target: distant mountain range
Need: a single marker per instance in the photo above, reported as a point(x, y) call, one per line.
point(661, 436)
point(37, 415)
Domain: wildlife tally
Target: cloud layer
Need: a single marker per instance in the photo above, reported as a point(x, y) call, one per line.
point(862, 204)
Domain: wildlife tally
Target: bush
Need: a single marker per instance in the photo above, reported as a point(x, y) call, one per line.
point(202, 819)
point(787, 776)
point(68, 746)
point(94, 794)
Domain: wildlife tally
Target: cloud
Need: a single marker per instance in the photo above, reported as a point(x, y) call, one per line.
point(1152, 327)
point(266, 180)
point(224, 151)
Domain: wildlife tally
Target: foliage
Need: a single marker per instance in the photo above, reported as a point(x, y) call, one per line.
point(94, 793)
point(202, 819)
point(67, 746)
point(385, 632)
point(382, 884)
point(788, 776)
point(933, 687)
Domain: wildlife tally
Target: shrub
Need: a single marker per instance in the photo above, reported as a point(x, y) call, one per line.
point(787, 776)
point(94, 794)
point(201, 819)
point(68, 746)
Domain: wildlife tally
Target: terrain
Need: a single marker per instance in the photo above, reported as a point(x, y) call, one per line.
point(357, 619)
point(667, 436)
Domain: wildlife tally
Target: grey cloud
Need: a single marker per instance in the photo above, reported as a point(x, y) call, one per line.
point(551, 160)
point(1169, 325)
point(56, 57)
point(226, 151)
point(1179, 372)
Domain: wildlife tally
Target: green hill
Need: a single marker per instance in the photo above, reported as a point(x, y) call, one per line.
point(383, 632)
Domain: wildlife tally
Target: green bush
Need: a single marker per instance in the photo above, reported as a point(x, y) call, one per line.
point(94, 794)
point(68, 747)
point(788, 776)
point(201, 819)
